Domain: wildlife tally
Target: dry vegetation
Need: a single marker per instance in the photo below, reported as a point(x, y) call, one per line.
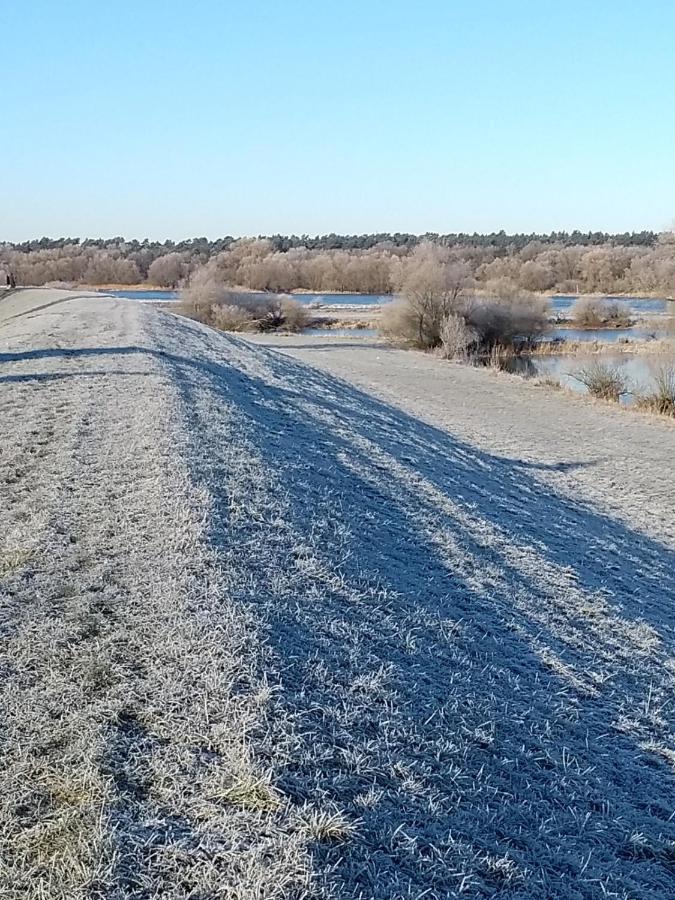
point(214, 304)
point(596, 312)
point(566, 263)
point(661, 399)
point(438, 308)
point(603, 380)
point(608, 381)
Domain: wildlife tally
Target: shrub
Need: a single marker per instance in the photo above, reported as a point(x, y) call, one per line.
point(596, 312)
point(210, 302)
point(202, 297)
point(431, 286)
point(296, 316)
point(231, 318)
point(456, 337)
point(167, 271)
point(267, 311)
point(401, 322)
point(513, 321)
point(603, 380)
point(662, 398)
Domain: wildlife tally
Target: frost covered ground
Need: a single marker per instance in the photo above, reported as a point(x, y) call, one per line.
point(268, 633)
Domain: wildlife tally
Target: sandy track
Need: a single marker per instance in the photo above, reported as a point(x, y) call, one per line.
point(265, 635)
point(622, 461)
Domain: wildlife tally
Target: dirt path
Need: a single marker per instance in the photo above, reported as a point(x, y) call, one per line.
point(622, 461)
point(265, 635)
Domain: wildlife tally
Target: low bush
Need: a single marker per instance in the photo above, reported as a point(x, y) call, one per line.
point(210, 302)
point(512, 321)
point(295, 315)
point(402, 323)
point(597, 312)
point(603, 380)
point(202, 297)
point(437, 308)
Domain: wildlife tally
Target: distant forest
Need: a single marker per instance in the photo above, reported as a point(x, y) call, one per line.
point(640, 262)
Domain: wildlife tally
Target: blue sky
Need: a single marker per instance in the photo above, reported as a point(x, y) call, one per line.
point(168, 119)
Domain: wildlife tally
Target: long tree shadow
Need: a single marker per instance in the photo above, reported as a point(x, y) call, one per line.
point(61, 376)
point(475, 662)
point(475, 666)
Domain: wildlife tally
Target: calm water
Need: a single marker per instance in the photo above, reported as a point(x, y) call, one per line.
point(639, 370)
point(147, 296)
point(607, 335)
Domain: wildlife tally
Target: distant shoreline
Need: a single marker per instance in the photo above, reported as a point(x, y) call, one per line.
point(147, 288)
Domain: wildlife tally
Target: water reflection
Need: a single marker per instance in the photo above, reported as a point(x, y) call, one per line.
point(639, 370)
point(612, 335)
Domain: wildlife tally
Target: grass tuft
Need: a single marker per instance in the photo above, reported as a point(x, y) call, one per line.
point(12, 560)
point(327, 825)
point(603, 380)
point(247, 790)
point(661, 399)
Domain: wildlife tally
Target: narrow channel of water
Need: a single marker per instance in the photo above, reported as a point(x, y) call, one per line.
point(145, 296)
point(610, 335)
point(642, 306)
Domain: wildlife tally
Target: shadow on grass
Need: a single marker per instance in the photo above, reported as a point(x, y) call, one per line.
point(470, 662)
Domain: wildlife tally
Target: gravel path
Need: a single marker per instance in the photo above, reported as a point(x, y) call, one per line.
point(265, 635)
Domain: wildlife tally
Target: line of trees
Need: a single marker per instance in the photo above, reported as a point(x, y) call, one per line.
point(279, 242)
point(565, 262)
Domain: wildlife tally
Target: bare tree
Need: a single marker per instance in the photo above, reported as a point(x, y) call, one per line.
point(431, 286)
point(168, 270)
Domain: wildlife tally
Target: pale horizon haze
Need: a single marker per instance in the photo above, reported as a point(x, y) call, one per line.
point(173, 120)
